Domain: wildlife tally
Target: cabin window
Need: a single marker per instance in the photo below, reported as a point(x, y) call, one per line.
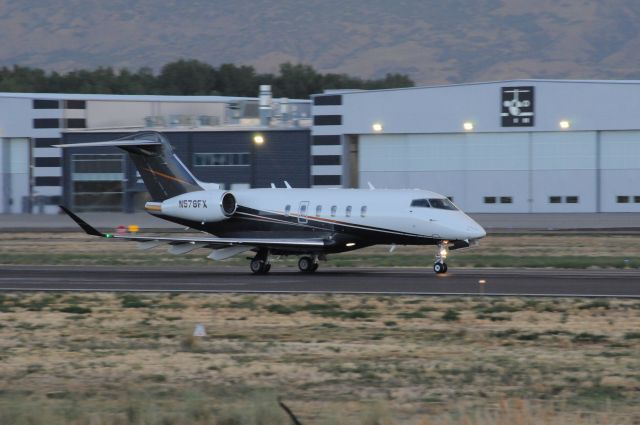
point(489, 199)
point(318, 210)
point(506, 200)
point(622, 199)
point(334, 210)
point(287, 210)
point(363, 211)
point(636, 199)
point(572, 199)
point(443, 204)
point(303, 209)
point(555, 199)
point(347, 211)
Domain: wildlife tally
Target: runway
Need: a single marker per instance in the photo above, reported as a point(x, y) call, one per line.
point(391, 281)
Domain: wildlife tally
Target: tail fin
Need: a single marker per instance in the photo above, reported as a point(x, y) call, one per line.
point(164, 175)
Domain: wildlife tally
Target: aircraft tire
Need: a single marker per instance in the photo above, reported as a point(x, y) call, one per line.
point(440, 268)
point(259, 267)
point(305, 264)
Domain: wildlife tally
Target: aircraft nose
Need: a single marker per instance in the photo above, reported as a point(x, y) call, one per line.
point(474, 230)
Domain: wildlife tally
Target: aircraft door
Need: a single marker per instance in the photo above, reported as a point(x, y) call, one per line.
point(303, 212)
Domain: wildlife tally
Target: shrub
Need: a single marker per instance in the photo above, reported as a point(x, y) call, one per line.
point(451, 315)
point(280, 309)
point(76, 309)
point(589, 337)
point(132, 301)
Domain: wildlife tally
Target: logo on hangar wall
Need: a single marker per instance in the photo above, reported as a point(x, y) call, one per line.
point(517, 106)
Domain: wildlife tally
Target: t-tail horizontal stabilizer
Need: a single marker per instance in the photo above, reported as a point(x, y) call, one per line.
point(85, 226)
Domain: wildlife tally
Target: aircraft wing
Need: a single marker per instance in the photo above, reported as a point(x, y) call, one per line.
point(184, 244)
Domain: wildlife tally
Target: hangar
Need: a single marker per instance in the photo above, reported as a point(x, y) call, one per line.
point(31, 124)
point(520, 146)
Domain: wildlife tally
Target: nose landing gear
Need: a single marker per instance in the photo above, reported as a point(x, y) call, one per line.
point(440, 267)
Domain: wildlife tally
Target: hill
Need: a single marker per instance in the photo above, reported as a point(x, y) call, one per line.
point(432, 41)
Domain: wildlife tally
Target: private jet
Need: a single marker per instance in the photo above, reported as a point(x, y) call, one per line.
point(273, 222)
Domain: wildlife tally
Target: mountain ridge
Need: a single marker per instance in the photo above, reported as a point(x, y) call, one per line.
point(434, 42)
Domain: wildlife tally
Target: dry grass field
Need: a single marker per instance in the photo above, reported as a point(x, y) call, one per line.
point(132, 359)
point(500, 250)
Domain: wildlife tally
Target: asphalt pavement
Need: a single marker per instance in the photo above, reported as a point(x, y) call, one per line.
point(399, 281)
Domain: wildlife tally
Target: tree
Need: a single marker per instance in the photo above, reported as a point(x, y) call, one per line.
point(187, 77)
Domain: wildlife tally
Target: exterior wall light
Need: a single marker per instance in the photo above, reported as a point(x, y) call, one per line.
point(468, 126)
point(377, 127)
point(565, 125)
point(258, 139)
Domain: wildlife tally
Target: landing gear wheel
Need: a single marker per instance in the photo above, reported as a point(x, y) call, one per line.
point(307, 265)
point(440, 268)
point(259, 267)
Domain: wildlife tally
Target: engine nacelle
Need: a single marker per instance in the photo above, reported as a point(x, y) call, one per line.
point(203, 205)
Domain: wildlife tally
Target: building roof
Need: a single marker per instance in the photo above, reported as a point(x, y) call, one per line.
point(481, 83)
point(133, 98)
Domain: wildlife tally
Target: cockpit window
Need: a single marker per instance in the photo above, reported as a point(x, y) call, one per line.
point(442, 203)
point(420, 203)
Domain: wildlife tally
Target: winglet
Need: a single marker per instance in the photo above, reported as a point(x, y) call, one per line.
point(286, 183)
point(273, 186)
point(83, 224)
point(371, 187)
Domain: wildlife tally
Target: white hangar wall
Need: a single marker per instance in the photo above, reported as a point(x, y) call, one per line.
point(537, 167)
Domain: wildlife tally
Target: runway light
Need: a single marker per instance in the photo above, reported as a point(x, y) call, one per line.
point(468, 126)
point(377, 127)
point(565, 125)
point(258, 139)
point(133, 228)
point(351, 244)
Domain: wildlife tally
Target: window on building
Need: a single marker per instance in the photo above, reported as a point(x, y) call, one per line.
point(555, 199)
point(46, 123)
point(318, 210)
point(420, 203)
point(287, 210)
point(210, 159)
point(45, 104)
point(347, 211)
point(97, 182)
point(622, 199)
point(489, 199)
point(506, 200)
point(636, 199)
point(334, 210)
point(572, 199)
point(363, 211)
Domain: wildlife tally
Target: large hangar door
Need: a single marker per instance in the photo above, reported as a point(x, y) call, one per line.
point(482, 172)
point(564, 171)
point(15, 165)
point(423, 161)
point(620, 171)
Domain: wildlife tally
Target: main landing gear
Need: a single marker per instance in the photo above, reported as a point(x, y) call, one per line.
point(440, 267)
point(308, 264)
point(260, 264)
